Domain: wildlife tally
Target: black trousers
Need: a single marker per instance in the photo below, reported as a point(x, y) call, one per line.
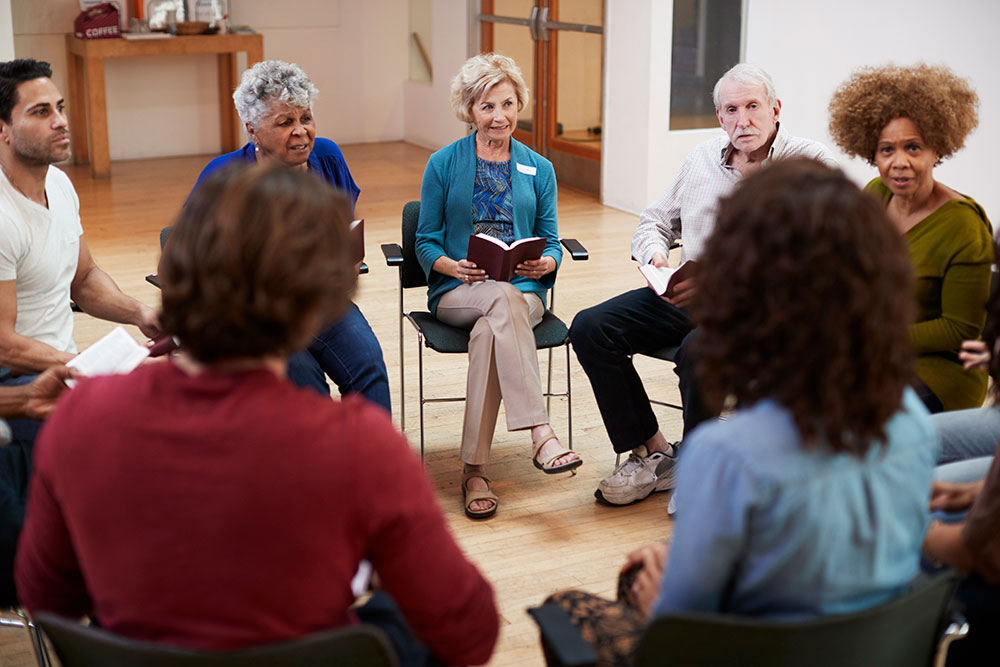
point(607, 335)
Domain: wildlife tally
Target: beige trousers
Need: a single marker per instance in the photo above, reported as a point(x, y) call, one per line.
point(503, 361)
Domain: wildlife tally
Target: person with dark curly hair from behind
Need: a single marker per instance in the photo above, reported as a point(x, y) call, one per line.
point(811, 498)
point(905, 121)
point(208, 503)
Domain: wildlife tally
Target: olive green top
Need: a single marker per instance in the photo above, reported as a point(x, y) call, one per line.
point(952, 254)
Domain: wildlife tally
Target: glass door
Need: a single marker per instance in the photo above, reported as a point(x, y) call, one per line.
point(560, 49)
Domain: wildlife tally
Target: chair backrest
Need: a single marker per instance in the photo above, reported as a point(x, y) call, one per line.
point(900, 633)
point(81, 646)
point(411, 274)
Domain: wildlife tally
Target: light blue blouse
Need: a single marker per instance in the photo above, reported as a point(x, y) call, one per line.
point(766, 528)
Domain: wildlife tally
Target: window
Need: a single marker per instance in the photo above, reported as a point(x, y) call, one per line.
point(706, 43)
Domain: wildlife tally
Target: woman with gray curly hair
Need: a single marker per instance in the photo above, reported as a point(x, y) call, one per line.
point(489, 183)
point(905, 121)
point(274, 101)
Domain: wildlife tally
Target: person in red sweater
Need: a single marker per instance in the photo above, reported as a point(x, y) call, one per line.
point(206, 502)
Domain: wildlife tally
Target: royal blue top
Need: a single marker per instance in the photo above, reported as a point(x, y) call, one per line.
point(767, 528)
point(446, 211)
point(326, 161)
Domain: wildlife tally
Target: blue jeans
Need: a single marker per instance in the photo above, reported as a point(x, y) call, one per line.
point(381, 611)
point(350, 355)
point(968, 441)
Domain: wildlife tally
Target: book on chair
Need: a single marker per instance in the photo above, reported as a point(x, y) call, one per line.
point(499, 259)
point(663, 280)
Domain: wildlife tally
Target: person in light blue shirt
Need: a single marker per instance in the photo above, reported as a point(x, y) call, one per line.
point(811, 498)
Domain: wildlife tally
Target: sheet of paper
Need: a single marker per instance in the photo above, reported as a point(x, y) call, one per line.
point(115, 353)
point(362, 578)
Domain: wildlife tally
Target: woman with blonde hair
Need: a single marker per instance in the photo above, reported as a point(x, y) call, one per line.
point(490, 183)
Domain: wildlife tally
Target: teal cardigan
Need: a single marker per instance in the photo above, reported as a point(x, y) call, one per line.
point(446, 211)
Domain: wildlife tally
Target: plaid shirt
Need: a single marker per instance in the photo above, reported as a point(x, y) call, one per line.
point(690, 203)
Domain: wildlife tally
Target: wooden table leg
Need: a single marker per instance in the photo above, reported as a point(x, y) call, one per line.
point(229, 122)
point(79, 142)
point(97, 112)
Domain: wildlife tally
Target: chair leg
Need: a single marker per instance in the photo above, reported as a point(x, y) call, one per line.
point(548, 389)
point(402, 373)
point(35, 636)
point(420, 374)
point(569, 394)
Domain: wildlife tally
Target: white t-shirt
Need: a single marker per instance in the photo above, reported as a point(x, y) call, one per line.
point(39, 249)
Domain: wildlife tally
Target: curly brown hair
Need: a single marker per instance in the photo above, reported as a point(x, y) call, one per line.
point(259, 258)
point(810, 304)
point(942, 105)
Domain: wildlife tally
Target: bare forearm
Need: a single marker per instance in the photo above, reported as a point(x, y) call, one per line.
point(99, 296)
point(13, 401)
point(944, 543)
point(27, 355)
point(446, 266)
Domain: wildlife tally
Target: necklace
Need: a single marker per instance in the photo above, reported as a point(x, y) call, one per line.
point(17, 187)
point(10, 178)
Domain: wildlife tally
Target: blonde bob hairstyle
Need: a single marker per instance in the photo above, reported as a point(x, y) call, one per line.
point(478, 75)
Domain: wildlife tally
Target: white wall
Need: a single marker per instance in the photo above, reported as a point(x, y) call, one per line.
point(6, 32)
point(429, 120)
point(957, 34)
point(809, 47)
point(640, 154)
point(355, 53)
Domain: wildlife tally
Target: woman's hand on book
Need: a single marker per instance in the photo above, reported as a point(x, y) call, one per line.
point(536, 268)
point(468, 272)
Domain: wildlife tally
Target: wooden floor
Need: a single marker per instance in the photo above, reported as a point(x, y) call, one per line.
point(549, 533)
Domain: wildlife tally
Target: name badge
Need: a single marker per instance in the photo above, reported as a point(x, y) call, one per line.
point(526, 169)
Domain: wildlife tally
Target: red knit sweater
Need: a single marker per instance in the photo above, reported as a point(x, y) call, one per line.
point(226, 510)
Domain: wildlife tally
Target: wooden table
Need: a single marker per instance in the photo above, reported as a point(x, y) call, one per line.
point(88, 99)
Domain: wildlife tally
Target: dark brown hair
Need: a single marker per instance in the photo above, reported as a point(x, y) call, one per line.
point(805, 298)
point(12, 74)
point(259, 258)
point(939, 102)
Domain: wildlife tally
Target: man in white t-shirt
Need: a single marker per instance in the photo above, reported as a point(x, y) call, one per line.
point(44, 259)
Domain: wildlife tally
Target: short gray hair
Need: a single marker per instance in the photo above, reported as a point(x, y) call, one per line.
point(478, 75)
point(269, 81)
point(748, 75)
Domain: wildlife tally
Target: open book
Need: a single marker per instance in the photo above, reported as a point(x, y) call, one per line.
point(115, 353)
point(499, 259)
point(662, 280)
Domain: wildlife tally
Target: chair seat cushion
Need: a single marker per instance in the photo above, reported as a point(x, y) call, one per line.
point(444, 338)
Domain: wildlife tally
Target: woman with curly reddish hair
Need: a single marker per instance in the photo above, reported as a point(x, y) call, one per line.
point(905, 121)
point(811, 498)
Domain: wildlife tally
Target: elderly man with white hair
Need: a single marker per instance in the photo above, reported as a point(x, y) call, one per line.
point(607, 335)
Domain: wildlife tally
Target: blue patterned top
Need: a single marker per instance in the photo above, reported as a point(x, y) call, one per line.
point(492, 200)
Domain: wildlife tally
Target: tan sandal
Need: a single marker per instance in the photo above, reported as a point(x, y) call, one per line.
point(548, 466)
point(470, 496)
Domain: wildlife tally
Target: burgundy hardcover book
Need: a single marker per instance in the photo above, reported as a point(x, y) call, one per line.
point(499, 259)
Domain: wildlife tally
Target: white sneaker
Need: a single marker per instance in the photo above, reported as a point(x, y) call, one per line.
point(672, 505)
point(640, 475)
